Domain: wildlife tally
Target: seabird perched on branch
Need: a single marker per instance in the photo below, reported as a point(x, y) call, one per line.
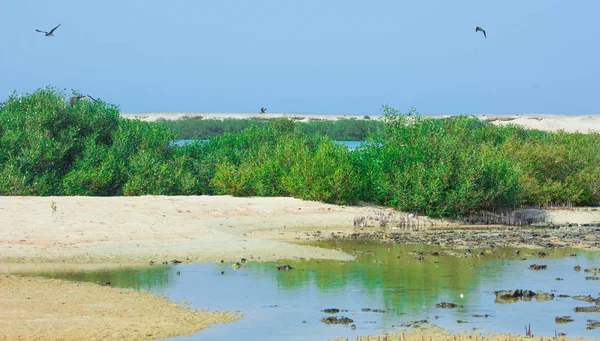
point(76, 98)
point(51, 33)
point(477, 29)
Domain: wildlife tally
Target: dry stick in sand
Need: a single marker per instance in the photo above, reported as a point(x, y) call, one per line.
point(53, 206)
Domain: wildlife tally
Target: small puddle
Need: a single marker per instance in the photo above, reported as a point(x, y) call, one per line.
point(388, 286)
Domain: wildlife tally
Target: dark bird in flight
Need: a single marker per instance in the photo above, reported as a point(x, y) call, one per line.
point(51, 33)
point(263, 110)
point(76, 98)
point(477, 29)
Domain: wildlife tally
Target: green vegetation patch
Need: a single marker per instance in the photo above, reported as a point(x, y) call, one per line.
point(342, 129)
point(440, 167)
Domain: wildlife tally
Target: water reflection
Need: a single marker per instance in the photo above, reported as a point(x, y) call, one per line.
point(405, 281)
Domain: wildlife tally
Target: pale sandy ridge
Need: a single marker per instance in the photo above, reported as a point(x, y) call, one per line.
point(548, 122)
point(138, 230)
point(154, 228)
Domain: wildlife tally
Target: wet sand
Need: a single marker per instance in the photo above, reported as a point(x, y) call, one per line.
point(46, 309)
point(438, 334)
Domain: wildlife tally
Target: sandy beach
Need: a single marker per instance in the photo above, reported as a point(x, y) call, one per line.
point(548, 122)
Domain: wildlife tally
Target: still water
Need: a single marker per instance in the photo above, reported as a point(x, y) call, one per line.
point(287, 305)
point(350, 144)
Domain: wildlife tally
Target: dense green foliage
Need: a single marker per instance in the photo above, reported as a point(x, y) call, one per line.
point(341, 130)
point(440, 167)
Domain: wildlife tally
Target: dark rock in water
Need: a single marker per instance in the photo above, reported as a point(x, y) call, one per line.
point(590, 309)
point(563, 319)
point(564, 295)
point(568, 254)
point(372, 310)
point(508, 296)
point(243, 260)
point(484, 315)
point(562, 334)
point(538, 267)
point(593, 270)
point(592, 278)
point(331, 311)
point(577, 268)
point(284, 267)
point(461, 321)
point(353, 327)
point(559, 279)
point(336, 320)
point(592, 324)
point(236, 265)
point(540, 254)
point(445, 305)
point(175, 261)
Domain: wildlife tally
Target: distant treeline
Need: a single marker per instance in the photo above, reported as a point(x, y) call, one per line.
point(439, 167)
point(341, 129)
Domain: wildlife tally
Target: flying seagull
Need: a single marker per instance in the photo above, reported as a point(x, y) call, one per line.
point(76, 98)
point(51, 33)
point(477, 29)
point(263, 110)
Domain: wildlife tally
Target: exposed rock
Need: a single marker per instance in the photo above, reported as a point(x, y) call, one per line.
point(563, 319)
point(577, 268)
point(508, 296)
point(445, 305)
point(592, 324)
point(331, 311)
point(590, 309)
point(587, 298)
point(284, 267)
point(538, 267)
point(484, 315)
point(373, 310)
point(593, 270)
point(592, 278)
point(336, 320)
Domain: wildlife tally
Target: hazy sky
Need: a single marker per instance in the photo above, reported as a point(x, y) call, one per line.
point(321, 56)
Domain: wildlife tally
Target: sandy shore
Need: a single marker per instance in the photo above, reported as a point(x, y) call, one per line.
point(44, 309)
point(153, 228)
point(105, 232)
point(138, 230)
point(439, 334)
point(548, 122)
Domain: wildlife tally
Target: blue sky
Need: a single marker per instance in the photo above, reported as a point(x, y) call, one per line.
point(320, 56)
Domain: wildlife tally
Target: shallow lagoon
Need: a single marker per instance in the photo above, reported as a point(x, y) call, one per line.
point(282, 305)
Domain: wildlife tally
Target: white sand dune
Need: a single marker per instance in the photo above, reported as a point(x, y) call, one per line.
point(548, 122)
